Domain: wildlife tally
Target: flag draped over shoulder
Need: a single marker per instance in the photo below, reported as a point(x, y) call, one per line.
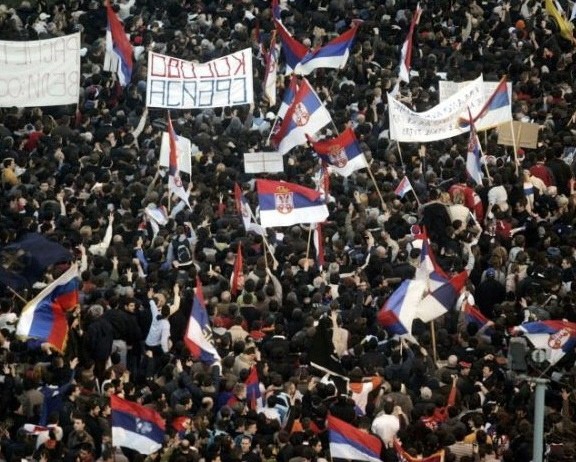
point(305, 116)
point(44, 317)
point(117, 43)
point(406, 52)
point(198, 332)
point(287, 204)
point(350, 443)
point(136, 427)
point(175, 185)
point(343, 153)
point(556, 337)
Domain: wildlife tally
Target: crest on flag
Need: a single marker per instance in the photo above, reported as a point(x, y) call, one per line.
point(338, 156)
point(284, 200)
point(301, 115)
point(558, 339)
point(143, 426)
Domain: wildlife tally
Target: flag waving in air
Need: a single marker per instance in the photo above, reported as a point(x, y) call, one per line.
point(199, 333)
point(237, 281)
point(306, 116)
point(350, 443)
point(293, 50)
point(473, 166)
point(343, 153)
point(44, 317)
point(243, 208)
point(287, 204)
point(175, 185)
point(397, 314)
point(288, 97)
point(555, 337)
point(403, 188)
point(271, 63)
point(406, 52)
point(136, 427)
point(117, 43)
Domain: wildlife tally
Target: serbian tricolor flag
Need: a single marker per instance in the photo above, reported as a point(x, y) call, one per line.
point(288, 97)
point(253, 394)
point(175, 185)
point(276, 10)
point(237, 280)
point(406, 52)
point(117, 44)
point(428, 269)
point(473, 166)
point(350, 443)
point(403, 188)
point(306, 116)
point(136, 427)
point(243, 208)
point(397, 314)
point(333, 55)
point(199, 332)
point(343, 153)
point(555, 337)
point(44, 317)
point(287, 204)
point(293, 50)
point(473, 315)
point(439, 301)
point(271, 63)
point(404, 456)
point(497, 105)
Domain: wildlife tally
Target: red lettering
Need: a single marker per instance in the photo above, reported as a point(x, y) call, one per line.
point(188, 70)
point(210, 68)
point(173, 68)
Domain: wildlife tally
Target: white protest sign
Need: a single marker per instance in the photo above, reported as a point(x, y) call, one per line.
point(438, 123)
point(256, 162)
point(177, 84)
point(184, 148)
point(40, 72)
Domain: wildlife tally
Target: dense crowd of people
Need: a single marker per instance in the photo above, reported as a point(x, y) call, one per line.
point(88, 178)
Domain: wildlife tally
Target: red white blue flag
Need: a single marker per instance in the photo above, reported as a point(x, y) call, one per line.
point(343, 153)
point(555, 337)
point(136, 427)
point(199, 332)
point(306, 116)
point(44, 317)
point(350, 443)
point(175, 185)
point(118, 44)
point(287, 204)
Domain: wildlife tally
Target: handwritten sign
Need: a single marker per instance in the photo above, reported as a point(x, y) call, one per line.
point(40, 72)
point(177, 84)
point(256, 162)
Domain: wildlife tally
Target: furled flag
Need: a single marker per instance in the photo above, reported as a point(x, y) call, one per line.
point(398, 312)
point(237, 279)
point(343, 153)
point(175, 185)
point(287, 204)
point(403, 188)
point(198, 332)
point(253, 393)
point(136, 427)
point(429, 270)
point(288, 97)
point(243, 208)
point(271, 63)
point(118, 45)
point(556, 337)
point(350, 443)
point(442, 299)
point(565, 26)
point(293, 50)
point(306, 116)
point(499, 100)
point(44, 317)
point(318, 238)
point(406, 52)
point(333, 55)
point(276, 9)
point(404, 456)
point(473, 166)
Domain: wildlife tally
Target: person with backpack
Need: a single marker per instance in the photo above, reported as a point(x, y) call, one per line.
point(180, 250)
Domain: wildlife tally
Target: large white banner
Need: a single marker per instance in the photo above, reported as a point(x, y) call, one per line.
point(257, 162)
point(177, 84)
point(443, 120)
point(40, 72)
